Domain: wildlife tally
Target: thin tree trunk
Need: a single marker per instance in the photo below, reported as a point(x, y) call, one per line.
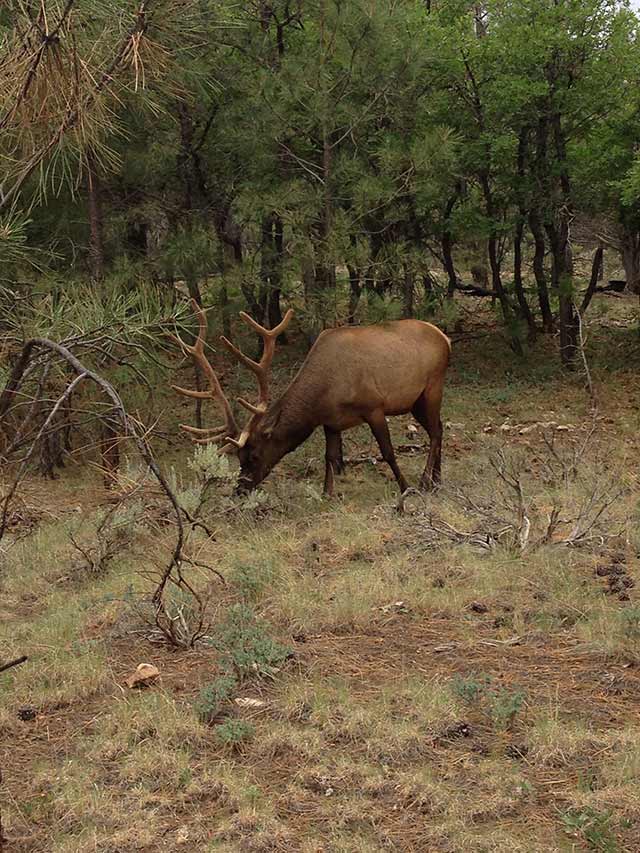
point(266, 265)
point(563, 255)
point(494, 263)
point(537, 233)
point(596, 266)
point(563, 281)
point(447, 258)
point(273, 309)
point(408, 292)
point(525, 310)
point(94, 197)
point(631, 259)
point(355, 289)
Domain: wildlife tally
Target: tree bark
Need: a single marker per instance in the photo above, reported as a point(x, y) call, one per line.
point(355, 289)
point(494, 263)
point(408, 292)
point(596, 268)
point(94, 198)
point(537, 233)
point(523, 305)
point(631, 259)
point(274, 310)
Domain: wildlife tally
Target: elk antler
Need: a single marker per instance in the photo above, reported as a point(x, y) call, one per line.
point(229, 430)
point(261, 368)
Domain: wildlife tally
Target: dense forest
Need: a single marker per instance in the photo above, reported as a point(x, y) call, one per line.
point(353, 157)
point(185, 665)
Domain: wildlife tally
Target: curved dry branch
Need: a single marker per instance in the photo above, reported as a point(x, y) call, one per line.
point(129, 426)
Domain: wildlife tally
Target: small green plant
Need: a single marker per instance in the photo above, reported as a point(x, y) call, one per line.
point(501, 704)
point(233, 732)
point(251, 578)
point(245, 646)
point(213, 696)
point(470, 689)
point(504, 705)
point(593, 826)
point(209, 464)
point(630, 622)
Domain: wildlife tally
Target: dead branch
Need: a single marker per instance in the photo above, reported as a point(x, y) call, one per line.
point(12, 663)
point(129, 427)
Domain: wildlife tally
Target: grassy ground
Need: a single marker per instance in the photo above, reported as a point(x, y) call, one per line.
point(453, 678)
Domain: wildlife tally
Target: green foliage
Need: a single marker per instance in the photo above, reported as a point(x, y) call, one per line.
point(630, 622)
point(470, 689)
point(245, 646)
point(252, 578)
point(504, 705)
point(500, 703)
point(209, 464)
point(213, 697)
point(593, 826)
point(233, 732)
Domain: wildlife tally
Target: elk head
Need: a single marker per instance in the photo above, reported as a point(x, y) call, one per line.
point(257, 449)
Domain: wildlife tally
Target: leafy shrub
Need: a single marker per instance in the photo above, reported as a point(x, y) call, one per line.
point(593, 826)
point(245, 646)
point(252, 577)
point(232, 732)
point(500, 703)
point(212, 696)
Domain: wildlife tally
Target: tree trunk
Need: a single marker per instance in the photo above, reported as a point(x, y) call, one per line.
point(563, 281)
point(558, 232)
point(447, 258)
point(408, 291)
point(274, 310)
point(631, 259)
point(523, 305)
point(596, 268)
point(523, 156)
point(494, 263)
point(94, 197)
point(537, 233)
point(355, 289)
point(266, 266)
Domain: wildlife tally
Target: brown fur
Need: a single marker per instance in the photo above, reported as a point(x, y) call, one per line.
point(350, 377)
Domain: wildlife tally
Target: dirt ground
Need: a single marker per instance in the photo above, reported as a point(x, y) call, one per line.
point(452, 679)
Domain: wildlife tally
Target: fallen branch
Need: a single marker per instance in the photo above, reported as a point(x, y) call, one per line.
point(12, 663)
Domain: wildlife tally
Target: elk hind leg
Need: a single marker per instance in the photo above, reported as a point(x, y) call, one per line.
point(426, 410)
point(380, 430)
point(332, 458)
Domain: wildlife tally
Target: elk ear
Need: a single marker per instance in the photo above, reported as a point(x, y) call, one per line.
point(267, 430)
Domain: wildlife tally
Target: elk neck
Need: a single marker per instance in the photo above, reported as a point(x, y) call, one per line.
point(290, 419)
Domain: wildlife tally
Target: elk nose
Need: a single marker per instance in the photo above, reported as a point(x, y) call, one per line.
point(244, 486)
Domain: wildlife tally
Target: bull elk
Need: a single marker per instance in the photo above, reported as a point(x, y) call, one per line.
point(352, 375)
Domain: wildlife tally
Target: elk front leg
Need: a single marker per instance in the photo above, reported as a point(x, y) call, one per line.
point(379, 428)
point(332, 458)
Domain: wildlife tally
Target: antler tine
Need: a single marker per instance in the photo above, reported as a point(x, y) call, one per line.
point(261, 368)
point(215, 392)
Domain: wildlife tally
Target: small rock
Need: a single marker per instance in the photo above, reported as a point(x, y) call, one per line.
point(145, 674)
point(395, 607)
point(27, 714)
point(248, 702)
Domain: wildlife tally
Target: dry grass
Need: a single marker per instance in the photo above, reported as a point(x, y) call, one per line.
point(442, 696)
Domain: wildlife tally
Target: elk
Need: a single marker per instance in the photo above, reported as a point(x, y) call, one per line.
point(351, 376)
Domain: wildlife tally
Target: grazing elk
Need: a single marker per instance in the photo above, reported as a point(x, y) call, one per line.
point(352, 375)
